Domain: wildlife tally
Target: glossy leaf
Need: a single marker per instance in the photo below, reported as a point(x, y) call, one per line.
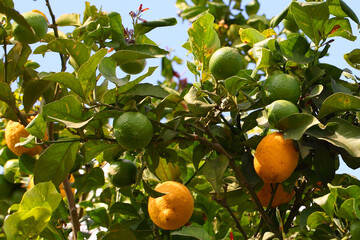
point(93, 148)
point(107, 68)
point(311, 17)
point(339, 27)
point(296, 49)
point(193, 231)
point(37, 126)
point(316, 219)
point(147, 89)
point(117, 29)
point(275, 21)
point(126, 87)
point(295, 125)
point(145, 27)
point(33, 91)
point(16, 60)
point(69, 19)
point(214, 171)
point(353, 58)
point(203, 39)
point(339, 102)
point(56, 162)
point(6, 94)
point(90, 181)
point(125, 209)
point(119, 231)
point(135, 52)
point(151, 192)
point(67, 79)
point(251, 36)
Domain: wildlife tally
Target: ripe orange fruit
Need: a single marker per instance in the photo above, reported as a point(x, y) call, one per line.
point(38, 23)
point(225, 62)
point(280, 109)
point(133, 130)
point(280, 197)
point(275, 158)
point(122, 173)
point(13, 132)
point(173, 210)
point(280, 86)
point(134, 67)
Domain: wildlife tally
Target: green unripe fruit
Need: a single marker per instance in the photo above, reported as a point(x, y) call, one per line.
point(133, 130)
point(225, 62)
point(278, 110)
point(11, 168)
point(122, 173)
point(280, 86)
point(37, 22)
point(252, 8)
point(134, 67)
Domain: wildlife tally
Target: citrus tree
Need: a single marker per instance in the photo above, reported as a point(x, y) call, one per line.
point(249, 150)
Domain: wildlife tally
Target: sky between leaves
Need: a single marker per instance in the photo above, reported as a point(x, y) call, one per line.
point(172, 38)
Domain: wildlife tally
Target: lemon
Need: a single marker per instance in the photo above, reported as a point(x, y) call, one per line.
point(37, 22)
point(172, 210)
point(122, 173)
point(275, 158)
point(225, 62)
point(280, 86)
point(133, 130)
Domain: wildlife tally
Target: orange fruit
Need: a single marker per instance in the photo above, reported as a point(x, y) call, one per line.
point(37, 22)
point(173, 210)
point(280, 197)
point(13, 132)
point(225, 62)
point(275, 158)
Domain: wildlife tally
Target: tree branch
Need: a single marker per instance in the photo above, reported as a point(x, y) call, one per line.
point(72, 208)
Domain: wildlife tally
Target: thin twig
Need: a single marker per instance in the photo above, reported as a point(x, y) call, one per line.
point(72, 208)
point(195, 173)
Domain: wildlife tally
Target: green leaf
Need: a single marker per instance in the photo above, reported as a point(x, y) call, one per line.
point(130, 85)
point(107, 68)
point(316, 219)
point(93, 148)
point(79, 53)
point(147, 89)
point(27, 164)
point(199, 153)
point(353, 58)
point(233, 84)
point(345, 135)
point(6, 95)
point(263, 57)
point(117, 29)
point(90, 181)
point(6, 154)
point(339, 27)
point(295, 125)
point(295, 48)
point(125, 209)
point(136, 52)
point(311, 17)
point(339, 8)
point(145, 27)
point(197, 106)
point(339, 102)
point(355, 229)
point(86, 73)
point(324, 164)
point(193, 231)
point(68, 110)
point(251, 36)
point(119, 231)
point(67, 79)
point(152, 193)
point(100, 216)
point(16, 60)
point(37, 126)
point(26, 224)
point(277, 19)
point(327, 202)
point(32, 92)
point(349, 210)
point(214, 170)
point(41, 195)
point(203, 39)
point(69, 19)
point(55, 162)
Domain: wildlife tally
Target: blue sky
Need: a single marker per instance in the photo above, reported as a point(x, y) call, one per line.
point(171, 38)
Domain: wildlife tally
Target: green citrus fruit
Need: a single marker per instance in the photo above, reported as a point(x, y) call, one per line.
point(252, 7)
point(122, 173)
point(5, 188)
point(134, 67)
point(17, 195)
point(37, 22)
point(233, 32)
point(280, 86)
point(280, 109)
point(133, 130)
point(11, 168)
point(225, 62)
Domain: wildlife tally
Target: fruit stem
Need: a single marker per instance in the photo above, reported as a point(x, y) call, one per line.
point(72, 208)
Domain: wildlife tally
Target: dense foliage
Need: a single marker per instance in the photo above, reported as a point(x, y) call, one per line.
point(204, 133)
